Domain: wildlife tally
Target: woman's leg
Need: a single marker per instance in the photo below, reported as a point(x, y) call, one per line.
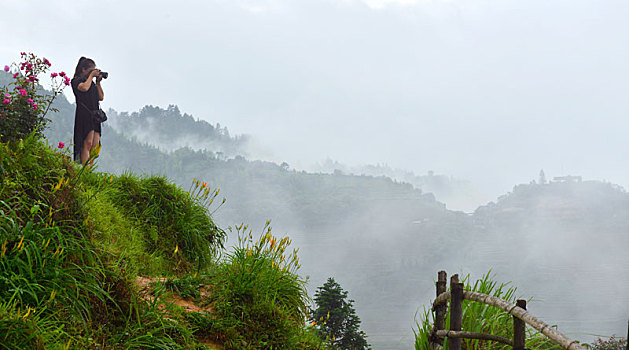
point(96, 139)
point(95, 142)
point(87, 147)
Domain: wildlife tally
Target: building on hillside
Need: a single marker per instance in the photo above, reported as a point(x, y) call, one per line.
point(567, 178)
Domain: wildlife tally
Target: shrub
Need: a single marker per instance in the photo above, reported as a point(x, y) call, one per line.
point(23, 104)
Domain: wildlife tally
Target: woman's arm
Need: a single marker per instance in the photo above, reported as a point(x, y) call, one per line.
point(101, 94)
point(84, 86)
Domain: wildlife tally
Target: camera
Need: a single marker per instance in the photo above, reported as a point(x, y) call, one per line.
point(104, 75)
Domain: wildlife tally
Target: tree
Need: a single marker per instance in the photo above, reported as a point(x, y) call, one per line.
point(336, 318)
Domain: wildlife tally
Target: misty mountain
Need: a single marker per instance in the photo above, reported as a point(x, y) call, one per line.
point(168, 129)
point(583, 205)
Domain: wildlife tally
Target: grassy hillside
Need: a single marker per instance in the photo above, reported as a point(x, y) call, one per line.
point(98, 261)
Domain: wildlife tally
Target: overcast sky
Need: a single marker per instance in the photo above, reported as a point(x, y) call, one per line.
point(488, 90)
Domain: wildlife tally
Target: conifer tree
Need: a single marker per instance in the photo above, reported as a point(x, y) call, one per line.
point(336, 318)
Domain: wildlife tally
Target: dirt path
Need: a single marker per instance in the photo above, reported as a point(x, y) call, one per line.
point(145, 289)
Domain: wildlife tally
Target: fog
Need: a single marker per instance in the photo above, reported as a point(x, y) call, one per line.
point(563, 247)
point(483, 93)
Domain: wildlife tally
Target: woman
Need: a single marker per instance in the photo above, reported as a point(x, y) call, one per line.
point(88, 93)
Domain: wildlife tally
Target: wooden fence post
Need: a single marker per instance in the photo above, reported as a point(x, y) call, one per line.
point(519, 328)
point(456, 311)
point(440, 312)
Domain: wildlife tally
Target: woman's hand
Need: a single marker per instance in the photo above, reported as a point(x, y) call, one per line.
point(94, 73)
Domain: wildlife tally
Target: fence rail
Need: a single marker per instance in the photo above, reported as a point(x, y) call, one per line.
point(457, 294)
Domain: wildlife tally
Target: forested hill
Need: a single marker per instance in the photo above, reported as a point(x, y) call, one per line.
point(582, 204)
point(170, 130)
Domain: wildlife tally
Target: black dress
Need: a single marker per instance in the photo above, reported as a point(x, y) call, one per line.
point(83, 122)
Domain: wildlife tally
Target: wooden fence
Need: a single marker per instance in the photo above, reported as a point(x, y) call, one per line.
point(457, 294)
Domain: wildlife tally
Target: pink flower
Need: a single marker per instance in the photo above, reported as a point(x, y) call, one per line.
point(23, 92)
point(6, 101)
point(62, 73)
point(46, 62)
point(61, 145)
point(34, 105)
point(53, 75)
point(6, 68)
point(29, 100)
point(7, 95)
point(15, 75)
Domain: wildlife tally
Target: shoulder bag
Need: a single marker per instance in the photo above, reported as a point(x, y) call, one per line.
point(98, 115)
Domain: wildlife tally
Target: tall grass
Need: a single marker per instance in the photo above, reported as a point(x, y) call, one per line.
point(66, 273)
point(259, 297)
point(482, 318)
point(174, 224)
point(46, 265)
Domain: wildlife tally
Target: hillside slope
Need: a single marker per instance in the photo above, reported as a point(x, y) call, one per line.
point(75, 245)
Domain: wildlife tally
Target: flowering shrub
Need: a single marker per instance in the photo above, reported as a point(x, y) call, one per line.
point(24, 103)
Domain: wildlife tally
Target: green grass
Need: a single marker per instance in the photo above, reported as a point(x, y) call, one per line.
point(258, 298)
point(73, 241)
point(155, 221)
point(482, 318)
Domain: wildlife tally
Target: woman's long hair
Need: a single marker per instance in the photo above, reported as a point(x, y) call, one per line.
point(84, 63)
